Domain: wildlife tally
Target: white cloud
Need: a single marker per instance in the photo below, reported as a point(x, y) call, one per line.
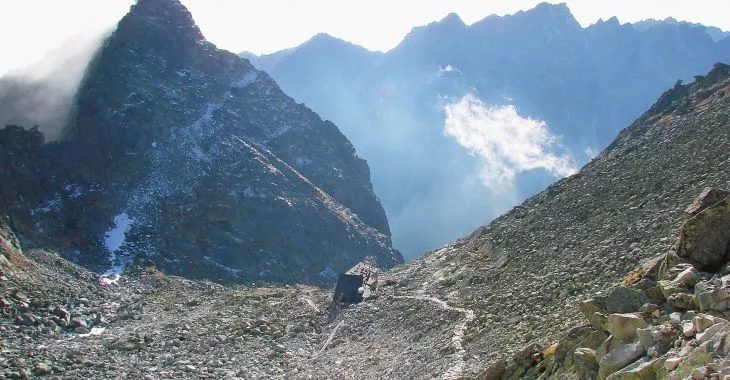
point(591, 152)
point(506, 142)
point(447, 69)
point(48, 86)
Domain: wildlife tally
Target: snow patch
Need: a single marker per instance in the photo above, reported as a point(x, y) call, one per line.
point(109, 279)
point(286, 201)
point(94, 331)
point(448, 69)
point(74, 191)
point(218, 265)
point(114, 238)
point(52, 205)
point(246, 80)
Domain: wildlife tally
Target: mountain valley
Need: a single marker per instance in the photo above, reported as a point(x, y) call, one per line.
point(412, 112)
point(190, 219)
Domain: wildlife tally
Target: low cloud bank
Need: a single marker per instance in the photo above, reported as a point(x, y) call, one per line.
point(506, 143)
point(43, 93)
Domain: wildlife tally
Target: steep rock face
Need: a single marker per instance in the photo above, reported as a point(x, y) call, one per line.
point(585, 83)
point(187, 156)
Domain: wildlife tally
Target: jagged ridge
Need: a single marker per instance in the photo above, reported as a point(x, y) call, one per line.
point(187, 156)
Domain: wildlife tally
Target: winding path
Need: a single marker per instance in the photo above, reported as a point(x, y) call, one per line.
point(329, 339)
point(456, 369)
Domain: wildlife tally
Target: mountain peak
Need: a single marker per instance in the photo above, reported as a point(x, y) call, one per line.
point(323, 37)
point(165, 121)
point(323, 41)
point(560, 8)
point(551, 13)
point(164, 14)
point(448, 26)
point(452, 19)
point(329, 42)
point(612, 21)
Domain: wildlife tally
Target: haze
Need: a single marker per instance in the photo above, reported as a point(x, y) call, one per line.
point(30, 28)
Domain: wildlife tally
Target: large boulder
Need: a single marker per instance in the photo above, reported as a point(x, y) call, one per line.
point(640, 370)
point(708, 197)
point(586, 366)
point(661, 338)
point(705, 237)
point(495, 370)
point(619, 358)
point(713, 294)
point(623, 326)
point(625, 300)
point(594, 310)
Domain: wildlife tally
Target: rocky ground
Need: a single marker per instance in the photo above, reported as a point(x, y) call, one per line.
point(668, 319)
point(148, 325)
point(64, 321)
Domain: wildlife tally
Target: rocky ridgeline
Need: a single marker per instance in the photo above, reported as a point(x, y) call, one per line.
point(668, 320)
point(185, 155)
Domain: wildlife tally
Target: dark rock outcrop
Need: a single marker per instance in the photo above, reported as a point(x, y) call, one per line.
point(185, 155)
point(705, 237)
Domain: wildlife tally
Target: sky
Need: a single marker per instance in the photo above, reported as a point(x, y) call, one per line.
point(30, 28)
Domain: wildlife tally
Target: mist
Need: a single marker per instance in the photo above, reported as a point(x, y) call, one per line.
point(43, 93)
point(443, 161)
point(506, 143)
point(470, 163)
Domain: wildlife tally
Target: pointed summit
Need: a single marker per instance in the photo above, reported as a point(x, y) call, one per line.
point(444, 31)
point(170, 15)
point(452, 19)
point(612, 21)
point(560, 8)
point(324, 39)
point(550, 14)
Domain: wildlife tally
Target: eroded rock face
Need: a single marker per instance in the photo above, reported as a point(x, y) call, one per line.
point(9, 248)
point(705, 237)
point(187, 156)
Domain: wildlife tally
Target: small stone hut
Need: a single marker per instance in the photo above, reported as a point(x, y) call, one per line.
point(355, 284)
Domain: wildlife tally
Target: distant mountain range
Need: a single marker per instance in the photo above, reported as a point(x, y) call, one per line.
point(460, 122)
point(717, 34)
